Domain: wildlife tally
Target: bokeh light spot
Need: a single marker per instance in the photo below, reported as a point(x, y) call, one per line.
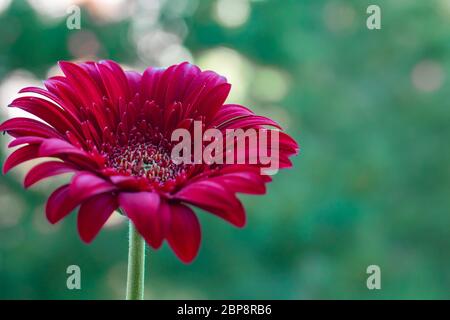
point(12, 209)
point(269, 84)
point(339, 17)
point(427, 76)
point(232, 13)
point(4, 4)
point(230, 64)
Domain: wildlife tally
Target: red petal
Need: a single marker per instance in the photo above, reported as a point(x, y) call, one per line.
point(114, 88)
point(60, 203)
point(53, 147)
point(229, 112)
point(28, 127)
point(150, 83)
point(23, 154)
point(60, 87)
point(215, 198)
point(287, 144)
point(45, 170)
point(212, 102)
point(249, 121)
point(23, 140)
point(85, 87)
point(202, 85)
point(85, 185)
point(53, 97)
point(119, 75)
point(164, 210)
point(244, 182)
point(184, 235)
point(134, 81)
point(207, 79)
point(129, 183)
point(49, 112)
point(93, 214)
point(180, 79)
point(143, 209)
point(64, 150)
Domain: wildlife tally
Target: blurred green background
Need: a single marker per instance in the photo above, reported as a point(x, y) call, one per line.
point(369, 108)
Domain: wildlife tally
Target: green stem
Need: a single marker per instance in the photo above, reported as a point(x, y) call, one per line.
point(136, 262)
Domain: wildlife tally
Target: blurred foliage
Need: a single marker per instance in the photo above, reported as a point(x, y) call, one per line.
point(371, 186)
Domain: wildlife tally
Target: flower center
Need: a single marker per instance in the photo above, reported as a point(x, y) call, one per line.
point(145, 160)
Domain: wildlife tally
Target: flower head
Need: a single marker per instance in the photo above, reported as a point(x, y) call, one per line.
point(112, 129)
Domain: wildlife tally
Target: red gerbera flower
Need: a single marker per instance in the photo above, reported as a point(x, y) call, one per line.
point(112, 129)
